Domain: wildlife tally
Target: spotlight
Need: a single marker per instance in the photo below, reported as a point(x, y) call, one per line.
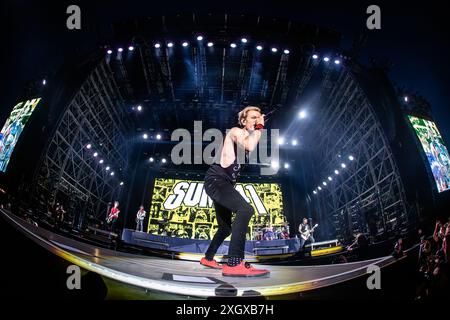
point(120, 49)
point(112, 173)
point(406, 99)
point(233, 45)
point(163, 160)
point(286, 165)
point(343, 165)
point(210, 44)
point(324, 183)
point(326, 59)
point(151, 159)
point(286, 51)
point(101, 161)
point(275, 164)
point(95, 154)
point(121, 183)
point(244, 40)
point(107, 168)
point(351, 158)
point(145, 136)
point(158, 136)
point(157, 45)
point(330, 178)
point(294, 142)
point(337, 61)
point(259, 48)
point(139, 108)
point(130, 48)
point(274, 49)
point(315, 56)
point(319, 188)
point(280, 140)
point(88, 146)
point(302, 114)
point(199, 38)
point(336, 172)
point(109, 51)
point(315, 192)
point(185, 44)
point(170, 45)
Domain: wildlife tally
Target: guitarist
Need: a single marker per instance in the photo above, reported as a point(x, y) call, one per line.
point(305, 232)
point(113, 215)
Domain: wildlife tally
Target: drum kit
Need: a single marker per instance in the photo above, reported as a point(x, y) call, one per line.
point(263, 232)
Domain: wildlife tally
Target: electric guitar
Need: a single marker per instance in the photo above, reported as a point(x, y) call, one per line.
point(305, 235)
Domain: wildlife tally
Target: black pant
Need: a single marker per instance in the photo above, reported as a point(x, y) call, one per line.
point(303, 241)
point(227, 200)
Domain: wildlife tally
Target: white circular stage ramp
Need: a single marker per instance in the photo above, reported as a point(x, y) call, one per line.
point(189, 278)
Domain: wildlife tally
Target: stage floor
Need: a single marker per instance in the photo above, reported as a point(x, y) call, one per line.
point(189, 278)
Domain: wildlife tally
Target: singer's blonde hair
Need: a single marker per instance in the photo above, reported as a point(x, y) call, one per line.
point(243, 113)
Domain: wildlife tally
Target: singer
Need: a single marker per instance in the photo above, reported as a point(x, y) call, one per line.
point(219, 185)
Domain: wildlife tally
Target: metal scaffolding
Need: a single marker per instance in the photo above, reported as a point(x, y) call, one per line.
point(94, 116)
point(367, 195)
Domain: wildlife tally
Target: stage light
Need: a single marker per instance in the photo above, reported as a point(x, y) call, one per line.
point(145, 136)
point(44, 82)
point(130, 48)
point(163, 160)
point(336, 172)
point(337, 61)
point(294, 142)
point(406, 99)
point(199, 38)
point(210, 44)
point(302, 114)
point(151, 159)
point(109, 51)
point(280, 140)
point(351, 158)
point(121, 183)
point(107, 168)
point(120, 49)
point(95, 154)
point(319, 188)
point(315, 56)
point(286, 165)
point(315, 192)
point(101, 161)
point(157, 45)
point(244, 40)
point(139, 108)
point(158, 136)
point(112, 173)
point(326, 59)
point(286, 51)
point(185, 44)
point(330, 178)
point(274, 49)
point(170, 45)
point(275, 165)
point(233, 45)
point(324, 183)
point(259, 48)
point(88, 146)
point(343, 165)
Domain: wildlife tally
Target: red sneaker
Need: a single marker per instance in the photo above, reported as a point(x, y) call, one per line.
point(210, 263)
point(243, 269)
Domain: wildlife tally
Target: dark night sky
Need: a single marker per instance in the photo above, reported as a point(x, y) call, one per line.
point(413, 36)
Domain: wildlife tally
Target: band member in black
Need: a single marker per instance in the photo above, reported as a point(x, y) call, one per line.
point(220, 180)
point(306, 232)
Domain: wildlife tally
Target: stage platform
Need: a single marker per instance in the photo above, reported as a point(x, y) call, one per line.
point(189, 278)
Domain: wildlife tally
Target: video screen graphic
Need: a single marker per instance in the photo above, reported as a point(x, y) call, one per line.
point(13, 128)
point(435, 150)
point(181, 208)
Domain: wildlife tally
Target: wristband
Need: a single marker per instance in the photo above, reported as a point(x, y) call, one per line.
point(259, 126)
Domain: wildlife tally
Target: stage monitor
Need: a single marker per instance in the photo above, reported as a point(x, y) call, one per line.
point(435, 150)
point(12, 129)
point(181, 208)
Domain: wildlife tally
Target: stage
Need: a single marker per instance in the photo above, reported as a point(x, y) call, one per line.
point(189, 278)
